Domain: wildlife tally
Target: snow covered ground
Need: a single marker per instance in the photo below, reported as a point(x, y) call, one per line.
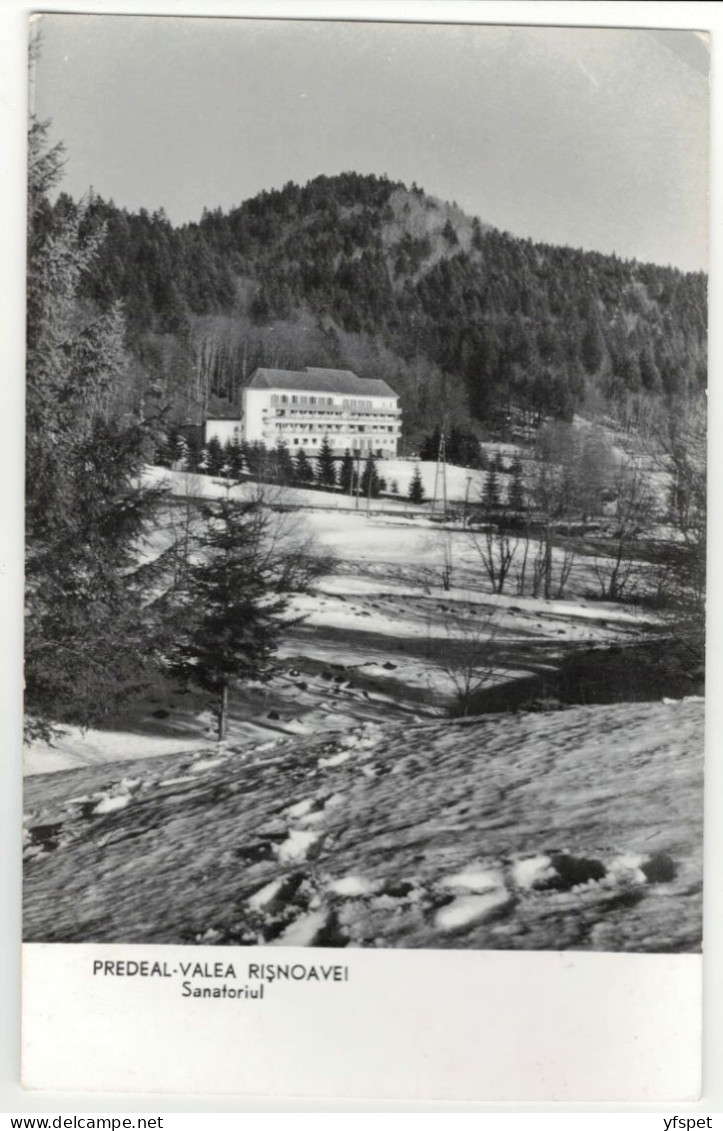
point(377, 640)
point(400, 471)
point(348, 808)
point(574, 830)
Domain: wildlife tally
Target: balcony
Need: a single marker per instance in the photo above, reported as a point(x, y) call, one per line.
point(333, 414)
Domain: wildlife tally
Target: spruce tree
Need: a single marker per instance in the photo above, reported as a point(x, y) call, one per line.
point(491, 492)
point(235, 611)
point(233, 458)
point(516, 495)
point(416, 487)
point(284, 465)
point(346, 472)
point(89, 620)
point(215, 458)
point(326, 468)
point(194, 453)
point(303, 471)
point(370, 479)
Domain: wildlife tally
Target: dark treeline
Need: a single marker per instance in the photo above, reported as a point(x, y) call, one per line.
point(398, 285)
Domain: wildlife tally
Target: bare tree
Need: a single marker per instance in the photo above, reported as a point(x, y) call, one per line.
point(634, 512)
point(680, 455)
point(467, 658)
point(571, 469)
point(496, 545)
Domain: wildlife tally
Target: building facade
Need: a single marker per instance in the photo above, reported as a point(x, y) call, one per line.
point(301, 407)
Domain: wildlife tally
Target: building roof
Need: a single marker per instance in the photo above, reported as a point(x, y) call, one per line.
point(313, 380)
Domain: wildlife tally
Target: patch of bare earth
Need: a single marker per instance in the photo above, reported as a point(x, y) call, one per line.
point(579, 829)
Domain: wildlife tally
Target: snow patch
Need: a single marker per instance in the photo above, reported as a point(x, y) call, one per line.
point(351, 886)
point(304, 931)
point(334, 760)
point(266, 895)
point(111, 804)
point(475, 880)
point(469, 910)
point(627, 867)
point(301, 807)
point(206, 764)
point(296, 846)
point(334, 801)
point(533, 871)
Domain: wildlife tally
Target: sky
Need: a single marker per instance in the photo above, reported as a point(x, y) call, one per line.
point(595, 138)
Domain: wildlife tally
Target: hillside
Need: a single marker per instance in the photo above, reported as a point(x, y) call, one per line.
point(362, 272)
point(573, 830)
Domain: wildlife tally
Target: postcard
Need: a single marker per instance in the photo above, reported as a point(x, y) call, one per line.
point(366, 558)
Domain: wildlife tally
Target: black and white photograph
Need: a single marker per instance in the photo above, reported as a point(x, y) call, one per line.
point(365, 485)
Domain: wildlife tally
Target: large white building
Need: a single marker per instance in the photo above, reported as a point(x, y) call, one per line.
point(301, 407)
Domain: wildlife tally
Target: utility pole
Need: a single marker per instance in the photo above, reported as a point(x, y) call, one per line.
point(466, 501)
point(441, 469)
point(369, 484)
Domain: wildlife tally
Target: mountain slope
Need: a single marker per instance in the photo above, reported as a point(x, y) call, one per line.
point(362, 272)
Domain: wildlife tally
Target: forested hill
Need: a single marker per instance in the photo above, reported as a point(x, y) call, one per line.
point(363, 272)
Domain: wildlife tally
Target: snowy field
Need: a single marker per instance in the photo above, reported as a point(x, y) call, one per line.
point(401, 471)
point(348, 808)
point(380, 637)
point(578, 830)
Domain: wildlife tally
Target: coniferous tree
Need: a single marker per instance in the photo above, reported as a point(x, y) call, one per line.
point(257, 458)
point(234, 604)
point(346, 471)
point(416, 487)
point(89, 631)
point(233, 458)
point(194, 452)
point(491, 491)
point(283, 464)
point(477, 238)
point(215, 458)
point(369, 486)
point(516, 494)
point(326, 468)
point(303, 471)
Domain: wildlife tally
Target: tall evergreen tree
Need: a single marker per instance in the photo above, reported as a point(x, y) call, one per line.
point(284, 470)
point(215, 458)
point(346, 471)
point(491, 491)
point(516, 493)
point(234, 607)
point(304, 471)
point(416, 487)
point(233, 458)
point(326, 468)
point(370, 478)
point(89, 633)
